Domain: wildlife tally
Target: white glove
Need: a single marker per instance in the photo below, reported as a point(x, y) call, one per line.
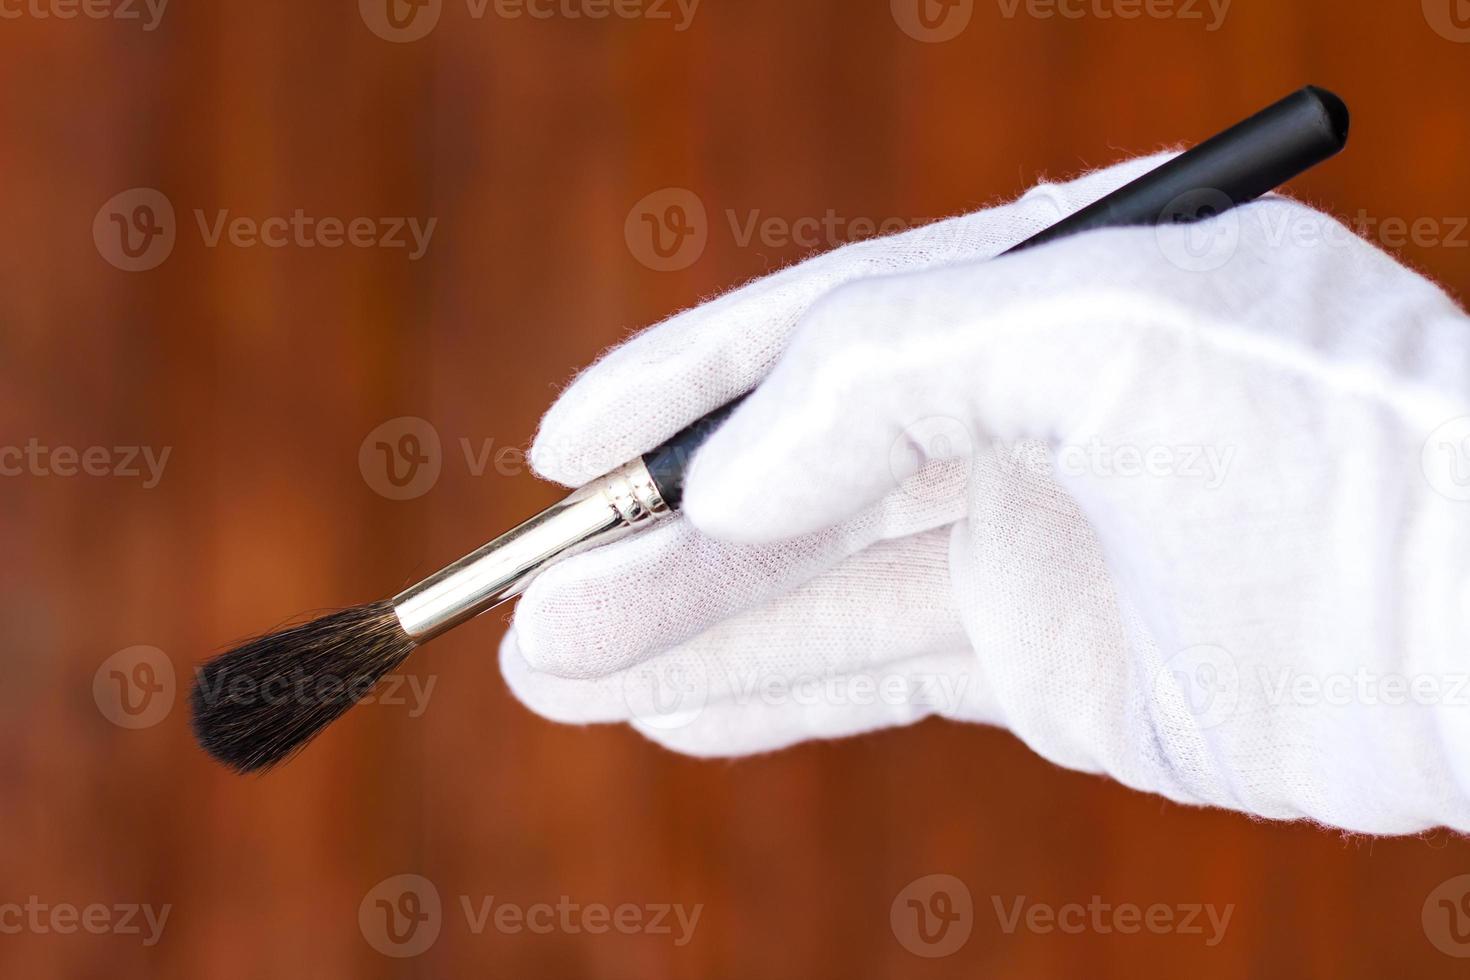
point(1193, 521)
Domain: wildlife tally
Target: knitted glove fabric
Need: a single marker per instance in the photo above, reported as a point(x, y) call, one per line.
point(1192, 517)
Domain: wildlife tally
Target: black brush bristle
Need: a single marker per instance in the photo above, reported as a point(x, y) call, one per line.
point(260, 703)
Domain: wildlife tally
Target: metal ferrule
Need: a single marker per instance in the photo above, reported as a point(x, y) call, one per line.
point(604, 510)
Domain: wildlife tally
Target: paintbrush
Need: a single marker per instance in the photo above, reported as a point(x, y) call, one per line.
point(260, 703)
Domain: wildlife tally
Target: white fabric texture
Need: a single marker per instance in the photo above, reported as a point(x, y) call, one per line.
point(1191, 517)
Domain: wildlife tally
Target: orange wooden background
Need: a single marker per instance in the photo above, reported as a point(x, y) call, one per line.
point(264, 369)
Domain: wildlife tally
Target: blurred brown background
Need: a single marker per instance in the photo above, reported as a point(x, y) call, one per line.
point(262, 370)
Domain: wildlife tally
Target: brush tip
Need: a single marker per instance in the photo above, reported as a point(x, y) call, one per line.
point(262, 702)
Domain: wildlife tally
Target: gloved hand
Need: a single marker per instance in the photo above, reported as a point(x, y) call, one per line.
point(1193, 520)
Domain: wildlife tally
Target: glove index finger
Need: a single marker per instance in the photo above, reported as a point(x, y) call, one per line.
point(644, 391)
point(889, 377)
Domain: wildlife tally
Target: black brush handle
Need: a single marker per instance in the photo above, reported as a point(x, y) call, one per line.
point(1246, 161)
